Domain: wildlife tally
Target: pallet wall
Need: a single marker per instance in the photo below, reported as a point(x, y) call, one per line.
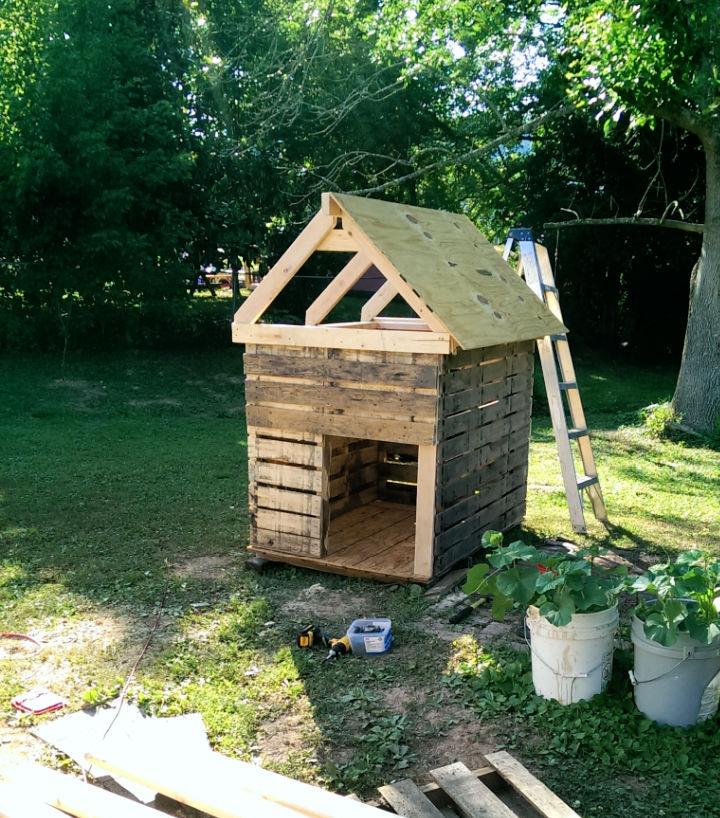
point(484, 433)
point(331, 430)
point(398, 472)
point(353, 477)
point(287, 487)
point(345, 393)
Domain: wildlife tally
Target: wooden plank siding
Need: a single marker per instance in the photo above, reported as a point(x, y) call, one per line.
point(383, 396)
point(336, 431)
point(484, 432)
point(287, 489)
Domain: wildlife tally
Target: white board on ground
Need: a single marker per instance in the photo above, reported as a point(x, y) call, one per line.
point(226, 788)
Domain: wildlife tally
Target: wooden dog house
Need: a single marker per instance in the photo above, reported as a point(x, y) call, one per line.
point(384, 447)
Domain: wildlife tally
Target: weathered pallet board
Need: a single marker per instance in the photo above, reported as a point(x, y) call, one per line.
point(402, 431)
point(462, 380)
point(335, 370)
point(460, 432)
point(286, 485)
point(503, 788)
point(484, 393)
point(345, 400)
point(513, 444)
point(279, 499)
point(497, 516)
point(287, 543)
point(286, 522)
point(474, 357)
point(288, 476)
point(458, 455)
point(283, 451)
point(472, 482)
point(487, 493)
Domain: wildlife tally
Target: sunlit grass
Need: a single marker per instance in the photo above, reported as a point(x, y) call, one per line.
point(121, 475)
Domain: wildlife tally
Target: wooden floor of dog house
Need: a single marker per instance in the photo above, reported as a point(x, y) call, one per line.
point(375, 540)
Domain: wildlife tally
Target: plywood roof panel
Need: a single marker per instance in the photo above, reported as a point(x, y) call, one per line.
point(456, 272)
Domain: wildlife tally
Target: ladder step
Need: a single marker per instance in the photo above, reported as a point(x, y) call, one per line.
point(549, 288)
point(565, 385)
point(574, 434)
point(561, 336)
point(586, 482)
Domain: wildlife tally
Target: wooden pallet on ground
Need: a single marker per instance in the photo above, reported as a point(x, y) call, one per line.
point(503, 788)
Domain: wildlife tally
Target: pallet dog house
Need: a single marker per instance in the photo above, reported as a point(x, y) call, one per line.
point(384, 447)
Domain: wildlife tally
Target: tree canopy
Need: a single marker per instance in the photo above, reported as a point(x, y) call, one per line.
point(141, 142)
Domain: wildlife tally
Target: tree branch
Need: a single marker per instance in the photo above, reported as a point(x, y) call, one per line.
point(673, 224)
point(681, 117)
point(511, 133)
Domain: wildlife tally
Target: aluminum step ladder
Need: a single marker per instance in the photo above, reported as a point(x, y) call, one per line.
point(559, 375)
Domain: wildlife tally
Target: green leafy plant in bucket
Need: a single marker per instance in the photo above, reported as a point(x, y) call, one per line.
point(519, 575)
point(680, 597)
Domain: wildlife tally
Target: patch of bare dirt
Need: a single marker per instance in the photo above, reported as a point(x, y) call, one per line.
point(62, 646)
point(283, 736)
point(17, 747)
point(60, 664)
point(399, 698)
point(318, 603)
point(453, 733)
point(210, 567)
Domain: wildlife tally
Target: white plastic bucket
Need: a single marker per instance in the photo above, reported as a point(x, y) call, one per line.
point(671, 683)
point(572, 662)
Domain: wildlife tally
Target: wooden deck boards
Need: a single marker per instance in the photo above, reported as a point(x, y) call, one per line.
point(376, 540)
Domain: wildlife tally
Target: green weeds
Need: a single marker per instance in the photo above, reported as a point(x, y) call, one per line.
point(606, 738)
point(122, 485)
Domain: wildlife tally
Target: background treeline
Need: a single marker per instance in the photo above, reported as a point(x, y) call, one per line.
point(142, 140)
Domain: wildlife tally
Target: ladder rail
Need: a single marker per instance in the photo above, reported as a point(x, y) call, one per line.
point(559, 375)
point(575, 405)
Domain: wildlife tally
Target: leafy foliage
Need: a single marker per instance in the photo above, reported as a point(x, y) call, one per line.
point(518, 575)
point(680, 597)
point(636, 764)
point(659, 418)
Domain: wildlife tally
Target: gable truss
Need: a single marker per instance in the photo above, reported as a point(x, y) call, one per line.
point(332, 229)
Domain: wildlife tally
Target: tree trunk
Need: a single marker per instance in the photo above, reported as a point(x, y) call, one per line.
point(697, 394)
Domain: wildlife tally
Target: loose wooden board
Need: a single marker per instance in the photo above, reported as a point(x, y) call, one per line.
point(532, 789)
point(378, 340)
point(227, 788)
point(472, 798)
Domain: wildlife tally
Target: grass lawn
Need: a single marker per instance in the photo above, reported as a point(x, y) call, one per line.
point(123, 488)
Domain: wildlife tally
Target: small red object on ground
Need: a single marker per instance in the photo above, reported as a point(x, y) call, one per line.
point(10, 635)
point(37, 701)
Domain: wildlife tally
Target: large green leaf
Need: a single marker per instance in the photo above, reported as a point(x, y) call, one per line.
point(476, 577)
point(491, 539)
point(501, 604)
point(515, 552)
point(518, 583)
point(559, 611)
point(591, 595)
point(659, 630)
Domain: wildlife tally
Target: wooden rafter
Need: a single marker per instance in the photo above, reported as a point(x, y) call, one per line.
point(289, 263)
point(386, 267)
point(338, 241)
point(378, 302)
point(347, 278)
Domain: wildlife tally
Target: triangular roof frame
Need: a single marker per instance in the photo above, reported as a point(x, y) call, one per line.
point(449, 274)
